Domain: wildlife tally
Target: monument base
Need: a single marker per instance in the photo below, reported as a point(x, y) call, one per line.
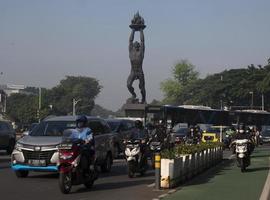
point(134, 110)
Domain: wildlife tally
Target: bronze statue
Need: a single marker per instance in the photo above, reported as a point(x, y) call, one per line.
point(136, 55)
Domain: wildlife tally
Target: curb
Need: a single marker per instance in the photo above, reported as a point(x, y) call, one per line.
point(266, 189)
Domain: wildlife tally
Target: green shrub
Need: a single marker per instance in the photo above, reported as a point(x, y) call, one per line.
point(183, 149)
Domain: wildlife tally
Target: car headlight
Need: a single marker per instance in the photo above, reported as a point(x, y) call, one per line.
point(18, 146)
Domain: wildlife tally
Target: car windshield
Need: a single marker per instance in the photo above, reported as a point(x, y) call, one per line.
point(266, 130)
point(114, 125)
point(52, 128)
point(212, 130)
point(181, 131)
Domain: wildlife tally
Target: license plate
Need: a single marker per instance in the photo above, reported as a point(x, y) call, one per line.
point(37, 162)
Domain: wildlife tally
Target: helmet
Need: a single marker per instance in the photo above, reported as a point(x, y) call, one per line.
point(241, 128)
point(81, 121)
point(138, 124)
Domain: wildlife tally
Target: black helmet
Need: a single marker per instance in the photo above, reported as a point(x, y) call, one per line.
point(241, 128)
point(81, 119)
point(138, 124)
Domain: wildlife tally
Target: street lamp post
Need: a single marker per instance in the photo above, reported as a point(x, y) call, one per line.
point(74, 105)
point(252, 95)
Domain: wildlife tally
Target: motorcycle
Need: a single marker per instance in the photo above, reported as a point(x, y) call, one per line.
point(227, 141)
point(70, 169)
point(135, 156)
point(242, 153)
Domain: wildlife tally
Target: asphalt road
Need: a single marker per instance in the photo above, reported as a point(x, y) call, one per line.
point(226, 181)
point(113, 185)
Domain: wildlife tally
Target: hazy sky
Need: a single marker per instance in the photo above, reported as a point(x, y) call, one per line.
point(41, 41)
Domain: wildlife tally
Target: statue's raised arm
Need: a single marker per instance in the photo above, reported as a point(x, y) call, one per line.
point(131, 38)
point(142, 41)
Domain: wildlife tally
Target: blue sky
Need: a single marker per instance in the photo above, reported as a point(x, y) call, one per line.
point(42, 41)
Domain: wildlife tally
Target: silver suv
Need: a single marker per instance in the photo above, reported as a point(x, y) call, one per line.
point(38, 151)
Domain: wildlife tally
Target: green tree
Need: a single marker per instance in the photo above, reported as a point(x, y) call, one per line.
point(184, 74)
point(22, 108)
point(80, 88)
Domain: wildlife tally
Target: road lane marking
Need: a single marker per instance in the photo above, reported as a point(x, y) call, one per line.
point(266, 189)
point(162, 196)
point(151, 185)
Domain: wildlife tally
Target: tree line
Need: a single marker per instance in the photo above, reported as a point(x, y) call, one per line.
point(234, 88)
point(23, 107)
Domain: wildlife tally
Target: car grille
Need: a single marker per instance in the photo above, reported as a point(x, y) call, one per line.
point(38, 155)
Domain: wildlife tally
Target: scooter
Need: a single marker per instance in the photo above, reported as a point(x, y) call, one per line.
point(242, 153)
point(135, 156)
point(70, 169)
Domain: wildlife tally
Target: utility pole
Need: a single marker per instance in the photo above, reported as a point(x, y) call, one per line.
point(262, 101)
point(39, 104)
point(252, 95)
point(5, 103)
point(74, 105)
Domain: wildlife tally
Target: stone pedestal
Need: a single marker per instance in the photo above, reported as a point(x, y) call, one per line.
point(134, 110)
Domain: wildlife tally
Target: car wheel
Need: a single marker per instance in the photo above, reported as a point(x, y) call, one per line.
point(10, 147)
point(107, 165)
point(21, 174)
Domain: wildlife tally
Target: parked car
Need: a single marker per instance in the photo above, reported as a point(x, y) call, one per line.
point(38, 150)
point(7, 136)
point(122, 129)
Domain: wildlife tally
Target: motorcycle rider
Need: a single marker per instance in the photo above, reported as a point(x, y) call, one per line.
point(88, 148)
point(194, 134)
point(243, 134)
point(140, 133)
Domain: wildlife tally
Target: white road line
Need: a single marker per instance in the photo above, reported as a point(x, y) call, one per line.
point(151, 185)
point(266, 189)
point(231, 156)
point(162, 196)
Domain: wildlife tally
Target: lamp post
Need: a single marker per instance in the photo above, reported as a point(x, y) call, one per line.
point(252, 95)
point(74, 105)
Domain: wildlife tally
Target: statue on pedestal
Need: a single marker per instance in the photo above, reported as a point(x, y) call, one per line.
point(136, 56)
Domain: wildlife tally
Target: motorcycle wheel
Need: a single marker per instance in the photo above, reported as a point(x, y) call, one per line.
point(65, 182)
point(131, 170)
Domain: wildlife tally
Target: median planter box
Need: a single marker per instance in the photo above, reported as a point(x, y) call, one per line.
point(200, 162)
point(171, 172)
point(185, 167)
point(175, 171)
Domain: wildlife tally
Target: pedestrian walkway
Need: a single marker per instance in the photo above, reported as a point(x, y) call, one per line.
point(228, 182)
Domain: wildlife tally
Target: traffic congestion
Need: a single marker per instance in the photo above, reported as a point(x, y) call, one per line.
point(81, 148)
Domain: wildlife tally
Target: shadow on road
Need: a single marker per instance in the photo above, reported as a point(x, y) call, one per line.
point(114, 185)
point(49, 176)
point(257, 169)
point(210, 173)
point(260, 156)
